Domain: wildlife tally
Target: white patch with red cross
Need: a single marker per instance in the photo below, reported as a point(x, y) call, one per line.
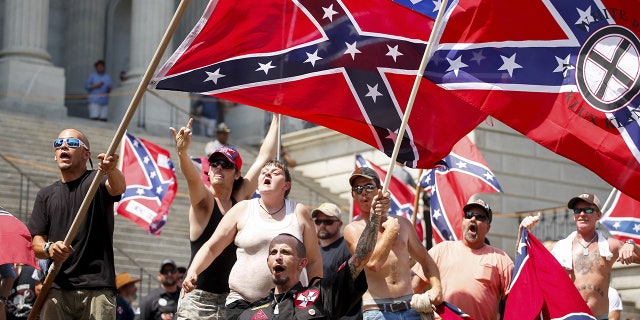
point(306, 298)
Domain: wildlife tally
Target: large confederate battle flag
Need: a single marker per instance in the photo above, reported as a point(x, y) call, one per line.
point(564, 73)
point(540, 288)
point(151, 183)
point(453, 181)
point(347, 65)
point(622, 218)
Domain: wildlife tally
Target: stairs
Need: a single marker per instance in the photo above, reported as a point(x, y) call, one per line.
point(26, 165)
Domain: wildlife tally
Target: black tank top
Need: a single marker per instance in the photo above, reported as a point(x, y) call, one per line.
point(215, 278)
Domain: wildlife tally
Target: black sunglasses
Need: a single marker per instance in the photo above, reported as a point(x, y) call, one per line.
point(168, 271)
point(367, 187)
point(225, 164)
point(327, 222)
point(479, 216)
point(585, 210)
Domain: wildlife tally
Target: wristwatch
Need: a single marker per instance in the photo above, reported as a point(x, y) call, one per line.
point(633, 243)
point(45, 249)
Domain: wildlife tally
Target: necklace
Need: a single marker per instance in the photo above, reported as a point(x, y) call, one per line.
point(585, 251)
point(276, 310)
point(271, 213)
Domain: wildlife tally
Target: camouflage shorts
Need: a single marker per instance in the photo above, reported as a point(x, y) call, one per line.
point(199, 304)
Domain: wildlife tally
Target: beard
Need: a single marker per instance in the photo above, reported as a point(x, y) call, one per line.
point(323, 234)
point(469, 235)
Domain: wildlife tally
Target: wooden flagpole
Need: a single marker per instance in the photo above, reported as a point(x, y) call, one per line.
point(417, 199)
point(155, 60)
point(433, 38)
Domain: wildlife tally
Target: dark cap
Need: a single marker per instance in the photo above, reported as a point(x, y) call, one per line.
point(479, 204)
point(166, 262)
point(586, 197)
point(230, 153)
point(364, 172)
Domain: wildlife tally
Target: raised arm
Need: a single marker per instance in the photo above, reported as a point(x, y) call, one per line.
point(116, 184)
point(198, 192)
point(369, 236)
point(266, 153)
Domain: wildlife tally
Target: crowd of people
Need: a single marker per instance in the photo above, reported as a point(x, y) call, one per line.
point(374, 267)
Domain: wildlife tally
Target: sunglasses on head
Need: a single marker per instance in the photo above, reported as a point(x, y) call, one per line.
point(70, 142)
point(368, 187)
point(225, 164)
point(168, 271)
point(326, 222)
point(479, 216)
point(585, 210)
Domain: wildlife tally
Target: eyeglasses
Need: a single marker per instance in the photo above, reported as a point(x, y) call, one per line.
point(70, 142)
point(327, 222)
point(225, 164)
point(585, 210)
point(168, 271)
point(367, 187)
point(479, 216)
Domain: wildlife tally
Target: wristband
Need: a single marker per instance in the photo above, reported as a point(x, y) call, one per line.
point(3, 300)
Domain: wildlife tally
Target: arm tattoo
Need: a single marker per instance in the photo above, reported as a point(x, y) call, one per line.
point(365, 246)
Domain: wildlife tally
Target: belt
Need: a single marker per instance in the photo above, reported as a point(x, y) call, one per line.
point(389, 307)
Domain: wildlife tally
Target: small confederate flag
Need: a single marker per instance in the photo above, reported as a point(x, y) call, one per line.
point(622, 218)
point(151, 183)
point(451, 183)
point(540, 288)
point(402, 197)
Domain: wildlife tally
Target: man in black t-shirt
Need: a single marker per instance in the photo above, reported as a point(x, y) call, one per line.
point(162, 303)
point(85, 287)
point(334, 250)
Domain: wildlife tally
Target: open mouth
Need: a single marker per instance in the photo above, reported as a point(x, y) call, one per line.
point(473, 228)
point(278, 269)
point(64, 155)
point(267, 181)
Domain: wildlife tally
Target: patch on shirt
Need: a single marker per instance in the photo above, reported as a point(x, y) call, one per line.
point(260, 315)
point(306, 298)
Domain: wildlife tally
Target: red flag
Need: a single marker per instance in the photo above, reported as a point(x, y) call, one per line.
point(566, 74)
point(151, 183)
point(622, 217)
point(448, 311)
point(16, 241)
point(347, 65)
point(457, 177)
point(540, 288)
point(402, 197)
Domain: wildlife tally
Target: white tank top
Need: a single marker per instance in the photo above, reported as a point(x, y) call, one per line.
point(250, 278)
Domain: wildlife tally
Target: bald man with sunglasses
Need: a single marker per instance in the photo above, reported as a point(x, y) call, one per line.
point(85, 286)
point(587, 255)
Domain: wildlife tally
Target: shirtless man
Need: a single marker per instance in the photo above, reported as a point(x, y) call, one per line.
point(587, 255)
point(388, 269)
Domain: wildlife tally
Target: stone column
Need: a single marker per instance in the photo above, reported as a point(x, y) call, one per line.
point(28, 81)
point(149, 21)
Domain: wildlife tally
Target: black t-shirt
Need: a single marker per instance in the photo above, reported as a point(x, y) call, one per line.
point(333, 256)
point(326, 298)
point(159, 305)
point(22, 295)
point(91, 264)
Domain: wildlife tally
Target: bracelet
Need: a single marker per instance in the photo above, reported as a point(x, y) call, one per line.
point(45, 249)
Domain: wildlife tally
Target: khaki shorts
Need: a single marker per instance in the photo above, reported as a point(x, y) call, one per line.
point(79, 304)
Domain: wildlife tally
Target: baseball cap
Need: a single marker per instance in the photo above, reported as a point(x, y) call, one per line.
point(222, 127)
point(479, 204)
point(230, 153)
point(364, 172)
point(328, 209)
point(166, 262)
point(124, 279)
point(586, 197)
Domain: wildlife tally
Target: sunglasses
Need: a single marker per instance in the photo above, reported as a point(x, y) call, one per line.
point(479, 216)
point(70, 142)
point(327, 222)
point(168, 271)
point(225, 164)
point(585, 210)
point(368, 187)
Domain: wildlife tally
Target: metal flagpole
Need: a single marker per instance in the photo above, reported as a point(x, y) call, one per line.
point(155, 60)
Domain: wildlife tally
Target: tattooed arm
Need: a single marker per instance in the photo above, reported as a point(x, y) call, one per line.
point(369, 236)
